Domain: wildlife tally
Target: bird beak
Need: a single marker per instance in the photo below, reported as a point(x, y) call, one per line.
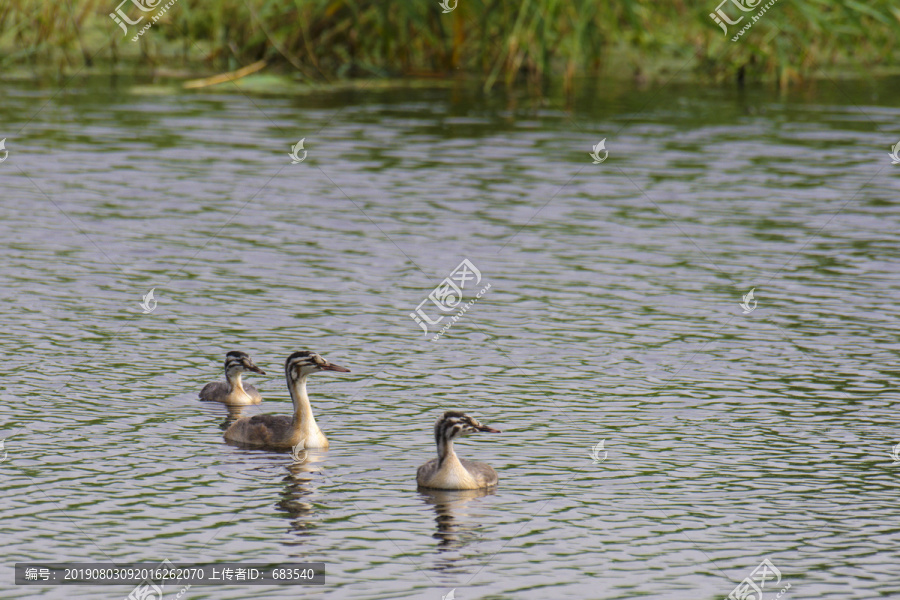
point(487, 429)
point(331, 367)
point(255, 369)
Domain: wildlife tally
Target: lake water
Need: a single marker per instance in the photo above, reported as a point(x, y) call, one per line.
point(614, 314)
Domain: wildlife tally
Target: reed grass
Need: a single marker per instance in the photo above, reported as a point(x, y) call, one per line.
point(325, 40)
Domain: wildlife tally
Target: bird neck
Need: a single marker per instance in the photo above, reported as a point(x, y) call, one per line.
point(445, 450)
point(303, 415)
point(234, 381)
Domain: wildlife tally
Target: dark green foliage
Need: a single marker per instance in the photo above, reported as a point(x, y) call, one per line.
point(324, 40)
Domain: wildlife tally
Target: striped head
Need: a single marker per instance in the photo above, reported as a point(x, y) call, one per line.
point(454, 424)
point(303, 363)
point(237, 362)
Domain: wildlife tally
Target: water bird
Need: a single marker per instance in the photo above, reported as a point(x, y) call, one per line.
point(447, 471)
point(283, 432)
point(232, 390)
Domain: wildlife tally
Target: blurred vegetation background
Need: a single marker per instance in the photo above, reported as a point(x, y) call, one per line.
point(502, 42)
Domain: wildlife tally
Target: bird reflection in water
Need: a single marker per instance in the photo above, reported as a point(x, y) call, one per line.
point(454, 529)
point(300, 486)
point(235, 412)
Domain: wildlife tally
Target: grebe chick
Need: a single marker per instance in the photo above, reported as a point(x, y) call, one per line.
point(282, 432)
point(447, 471)
point(232, 390)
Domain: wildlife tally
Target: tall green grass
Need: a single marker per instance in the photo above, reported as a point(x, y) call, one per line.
point(504, 42)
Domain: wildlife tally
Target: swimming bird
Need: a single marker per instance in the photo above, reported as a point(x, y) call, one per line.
point(447, 471)
point(283, 432)
point(232, 390)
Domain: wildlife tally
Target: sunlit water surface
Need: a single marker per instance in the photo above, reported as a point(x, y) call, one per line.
point(613, 314)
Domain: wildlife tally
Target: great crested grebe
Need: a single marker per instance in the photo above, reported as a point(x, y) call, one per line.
point(278, 431)
point(447, 471)
point(232, 390)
